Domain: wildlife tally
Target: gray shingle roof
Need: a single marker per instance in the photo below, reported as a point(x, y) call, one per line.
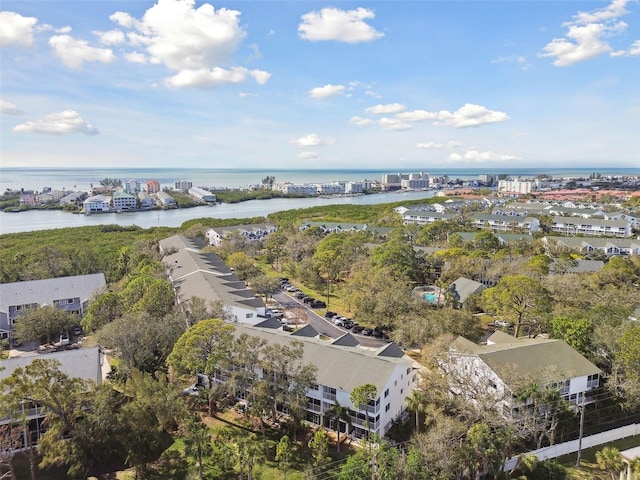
point(85, 363)
point(527, 358)
point(340, 366)
point(50, 289)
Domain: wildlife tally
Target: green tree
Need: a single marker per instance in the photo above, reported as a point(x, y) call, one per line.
point(203, 348)
point(284, 454)
point(417, 403)
point(142, 342)
point(610, 460)
point(576, 332)
point(64, 398)
point(44, 323)
point(286, 377)
point(399, 256)
point(520, 299)
point(319, 445)
point(360, 398)
point(339, 414)
point(197, 442)
point(106, 308)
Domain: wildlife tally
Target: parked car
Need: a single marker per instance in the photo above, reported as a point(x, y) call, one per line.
point(329, 314)
point(299, 294)
point(358, 329)
point(291, 289)
point(317, 304)
point(348, 324)
point(337, 321)
point(367, 331)
point(502, 323)
point(307, 299)
point(77, 331)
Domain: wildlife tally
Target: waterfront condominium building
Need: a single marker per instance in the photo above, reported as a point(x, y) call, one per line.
point(153, 186)
point(182, 185)
point(124, 201)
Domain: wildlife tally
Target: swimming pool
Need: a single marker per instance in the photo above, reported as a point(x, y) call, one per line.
point(430, 297)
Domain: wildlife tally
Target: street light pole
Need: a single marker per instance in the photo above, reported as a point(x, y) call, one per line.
point(581, 431)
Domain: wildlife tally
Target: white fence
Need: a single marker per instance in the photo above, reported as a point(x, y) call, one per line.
point(566, 448)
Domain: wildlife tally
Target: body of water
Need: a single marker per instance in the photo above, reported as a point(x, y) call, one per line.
point(75, 179)
point(32, 220)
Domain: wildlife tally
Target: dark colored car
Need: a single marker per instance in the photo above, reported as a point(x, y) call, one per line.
point(317, 304)
point(358, 328)
point(367, 331)
point(299, 294)
point(329, 314)
point(307, 299)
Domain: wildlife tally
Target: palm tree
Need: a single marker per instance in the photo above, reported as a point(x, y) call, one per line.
point(338, 414)
point(609, 459)
point(197, 441)
point(416, 402)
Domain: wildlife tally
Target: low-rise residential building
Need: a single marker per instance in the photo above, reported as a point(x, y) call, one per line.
point(502, 223)
point(591, 227)
point(463, 288)
point(250, 232)
point(343, 366)
point(124, 201)
point(587, 245)
point(75, 198)
point(97, 204)
point(52, 196)
point(66, 293)
point(423, 217)
point(84, 363)
point(204, 275)
point(295, 188)
point(338, 227)
point(202, 195)
point(145, 200)
point(165, 200)
point(506, 364)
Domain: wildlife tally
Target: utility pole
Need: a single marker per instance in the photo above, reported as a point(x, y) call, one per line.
point(581, 431)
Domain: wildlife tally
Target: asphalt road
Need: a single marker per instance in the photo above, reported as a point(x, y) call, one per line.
point(320, 323)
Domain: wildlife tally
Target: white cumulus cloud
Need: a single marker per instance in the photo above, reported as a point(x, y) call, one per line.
point(417, 116)
point(438, 145)
point(195, 43)
point(215, 76)
point(331, 23)
point(474, 155)
point(385, 109)
point(588, 35)
point(393, 124)
point(470, 115)
point(326, 91)
point(62, 123)
point(361, 122)
point(73, 53)
point(16, 29)
point(309, 140)
point(112, 37)
point(8, 108)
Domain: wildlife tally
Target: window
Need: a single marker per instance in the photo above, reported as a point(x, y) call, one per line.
point(386, 393)
point(387, 407)
point(249, 315)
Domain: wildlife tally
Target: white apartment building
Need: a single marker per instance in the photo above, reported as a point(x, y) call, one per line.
point(251, 232)
point(165, 200)
point(591, 227)
point(124, 201)
point(342, 366)
point(295, 188)
point(182, 185)
point(329, 188)
point(97, 203)
point(519, 187)
point(132, 186)
point(202, 194)
point(506, 363)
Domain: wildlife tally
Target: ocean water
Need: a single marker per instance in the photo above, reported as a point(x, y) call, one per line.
point(82, 178)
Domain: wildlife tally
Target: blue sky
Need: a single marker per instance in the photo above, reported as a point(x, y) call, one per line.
point(301, 84)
